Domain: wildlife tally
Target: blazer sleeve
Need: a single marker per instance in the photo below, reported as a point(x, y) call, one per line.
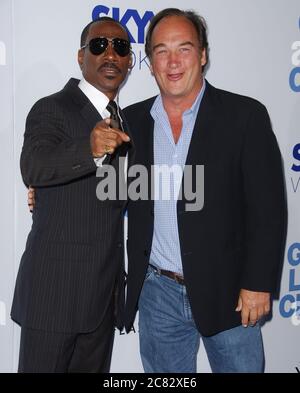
point(49, 155)
point(265, 207)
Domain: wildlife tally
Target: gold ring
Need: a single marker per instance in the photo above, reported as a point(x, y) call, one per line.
point(107, 149)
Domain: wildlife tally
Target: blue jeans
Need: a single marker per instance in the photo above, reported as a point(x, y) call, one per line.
point(169, 339)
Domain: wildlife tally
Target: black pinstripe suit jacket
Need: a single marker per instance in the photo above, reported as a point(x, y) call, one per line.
point(72, 267)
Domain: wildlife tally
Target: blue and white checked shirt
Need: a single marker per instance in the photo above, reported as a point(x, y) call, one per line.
point(165, 252)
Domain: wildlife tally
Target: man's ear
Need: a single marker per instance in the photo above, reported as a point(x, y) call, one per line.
point(151, 69)
point(80, 58)
point(130, 63)
point(203, 57)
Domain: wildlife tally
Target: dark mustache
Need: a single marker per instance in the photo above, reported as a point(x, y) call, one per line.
point(110, 65)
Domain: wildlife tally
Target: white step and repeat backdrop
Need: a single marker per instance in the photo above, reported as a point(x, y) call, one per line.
point(255, 51)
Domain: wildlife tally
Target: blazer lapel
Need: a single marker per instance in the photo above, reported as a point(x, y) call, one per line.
point(84, 105)
point(146, 136)
point(143, 128)
point(204, 134)
point(148, 149)
point(90, 114)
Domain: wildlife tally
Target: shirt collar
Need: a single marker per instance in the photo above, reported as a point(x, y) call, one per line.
point(97, 98)
point(195, 107)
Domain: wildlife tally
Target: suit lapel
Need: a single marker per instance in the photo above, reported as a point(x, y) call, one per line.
point(143, 128)
point(90, 114)
point(148, 148)
point(84, 105)
point(147, 136)
point(201, 148)
point(204, 129)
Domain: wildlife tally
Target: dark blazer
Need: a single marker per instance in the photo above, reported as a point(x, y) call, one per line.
point(236, 240)
point(72, 267)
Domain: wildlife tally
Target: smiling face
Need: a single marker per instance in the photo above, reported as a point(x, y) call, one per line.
point(176, 58)
point(108, 70)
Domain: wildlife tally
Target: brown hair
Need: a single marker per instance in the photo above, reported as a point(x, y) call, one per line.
point(197, 21)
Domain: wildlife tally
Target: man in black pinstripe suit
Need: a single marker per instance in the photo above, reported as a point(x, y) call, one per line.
point(69, 290)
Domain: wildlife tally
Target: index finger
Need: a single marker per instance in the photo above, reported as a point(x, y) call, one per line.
point(122, 135)
point(105, 126)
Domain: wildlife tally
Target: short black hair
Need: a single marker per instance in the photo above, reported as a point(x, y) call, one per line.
point(197, 21)
point(85, 31)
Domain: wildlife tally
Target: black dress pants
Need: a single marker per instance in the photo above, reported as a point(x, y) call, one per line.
point(52, 352)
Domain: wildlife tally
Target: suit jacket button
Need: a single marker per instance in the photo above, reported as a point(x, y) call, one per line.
point(188, 253)
point(152, 213)
point(146, 253)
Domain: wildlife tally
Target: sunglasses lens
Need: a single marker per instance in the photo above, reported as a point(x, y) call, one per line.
point(99, 45)
point(122, 47)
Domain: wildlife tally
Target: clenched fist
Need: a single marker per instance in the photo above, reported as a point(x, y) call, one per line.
point(105, 139)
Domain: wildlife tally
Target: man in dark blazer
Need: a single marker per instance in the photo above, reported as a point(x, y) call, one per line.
point(69, 290)
point(207, 273)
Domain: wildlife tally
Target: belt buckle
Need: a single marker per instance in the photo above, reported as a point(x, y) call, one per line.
point(156, 269)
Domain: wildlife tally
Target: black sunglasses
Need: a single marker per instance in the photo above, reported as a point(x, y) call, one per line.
point(100, 44)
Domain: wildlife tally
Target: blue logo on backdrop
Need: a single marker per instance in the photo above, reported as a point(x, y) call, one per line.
point(295, 73)
point(140, 21)
point(295, 181)
point(134, 22)
point(289, 306)
point(296, 155)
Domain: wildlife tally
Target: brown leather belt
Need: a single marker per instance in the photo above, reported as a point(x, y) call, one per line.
point(174, 276)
